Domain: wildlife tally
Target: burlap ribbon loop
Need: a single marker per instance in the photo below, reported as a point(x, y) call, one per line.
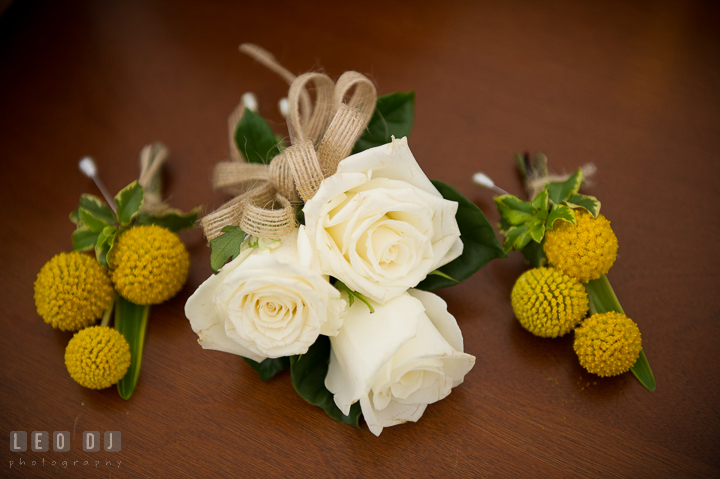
point(322, 132)
point(152, 158)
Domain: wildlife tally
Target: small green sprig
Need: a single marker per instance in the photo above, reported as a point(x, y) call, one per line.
point(98, 225)
point(525, 221)
point(352, 295)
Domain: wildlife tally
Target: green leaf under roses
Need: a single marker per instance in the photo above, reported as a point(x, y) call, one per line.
point(480, 245)
point(131, 320)
point(96, 225)
point(590, 203)
point(97, 208)
point(75, 217)
point(340, 286)
point(308, 373)
point(269, 367)
point(560, 212)
point(128, 202)
point(83, 239)
point(225, 247)
point(603, 300)
point(562, 190)
point(440, 273)
point(393, 116)
point(534, 254)
point(255, 139)
point(174, 220)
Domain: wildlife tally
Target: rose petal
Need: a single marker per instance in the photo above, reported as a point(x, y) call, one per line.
point(365, 343)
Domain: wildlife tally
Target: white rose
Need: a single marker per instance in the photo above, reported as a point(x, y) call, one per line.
point(265, 304)
point(396, 361)
point(379, 225)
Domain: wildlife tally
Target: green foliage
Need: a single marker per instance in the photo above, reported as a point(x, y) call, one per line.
point(308, 377)
point(534, 254)
point(255, 139)
point(522, 221)
point(561, 191)
point(393, 116)
point(83, 239)
point(128, 202)
point(97, 208)
point(174, 220)
point(590, 203)
point(480, 245)
point(269, 367)
point(131, 320)
point(352, 295)
point(603, 300)
point(226, 246)
point(443, 275)
point(560, 212)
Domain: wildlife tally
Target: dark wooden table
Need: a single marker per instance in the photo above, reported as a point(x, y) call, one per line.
point(632, 86)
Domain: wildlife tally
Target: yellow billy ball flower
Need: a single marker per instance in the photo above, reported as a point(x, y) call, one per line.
point(585, 250)
point(72, 290)
point(150, 264)
point(608, 344)
point(97, 357)
point(548, 303)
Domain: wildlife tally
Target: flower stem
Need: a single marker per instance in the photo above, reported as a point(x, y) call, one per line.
point(603, 300)
point(108, 312)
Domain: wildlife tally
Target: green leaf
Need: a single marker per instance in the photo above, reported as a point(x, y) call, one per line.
point(98, 208)
point(83, 239)
point(537, 231)
point(255, 139)
point(174, 220)
point(560, 212)
point(96, 225)
point(226, 246)
point(517, 237)
point(308, 378)
point(540, 204)
point(105, 240)
point(393, 116)
point(534, 254)
point(563, 190)
point(642, 372)
point(269, 367)
point(590, 203)
point(603, 300)
point(440, 273)
point(513, 212)
point(131, 320)
point(480, 245)
point(75, 217)
point(128, 202)
point(352, 295)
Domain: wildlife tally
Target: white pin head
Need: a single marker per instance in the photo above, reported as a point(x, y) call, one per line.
point(88, 167)
point(481, 179)
point(250, 101)
point(284, 107)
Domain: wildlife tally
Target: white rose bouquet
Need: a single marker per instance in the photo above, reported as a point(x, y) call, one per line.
point(323, 259)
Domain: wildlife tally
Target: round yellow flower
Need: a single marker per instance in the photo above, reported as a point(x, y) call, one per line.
point(548, 303)
point(72, 290)
point(585, 250)
point(97, 357)
point(150, 264)
point(608, 344)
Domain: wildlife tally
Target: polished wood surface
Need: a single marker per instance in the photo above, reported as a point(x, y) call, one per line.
point(630, 86)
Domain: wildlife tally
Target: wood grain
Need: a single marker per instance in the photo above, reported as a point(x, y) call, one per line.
point(630, 86)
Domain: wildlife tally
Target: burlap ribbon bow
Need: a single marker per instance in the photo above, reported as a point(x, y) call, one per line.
point(322, 134)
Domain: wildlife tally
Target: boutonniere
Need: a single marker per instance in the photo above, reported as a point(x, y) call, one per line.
point(321, 258)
